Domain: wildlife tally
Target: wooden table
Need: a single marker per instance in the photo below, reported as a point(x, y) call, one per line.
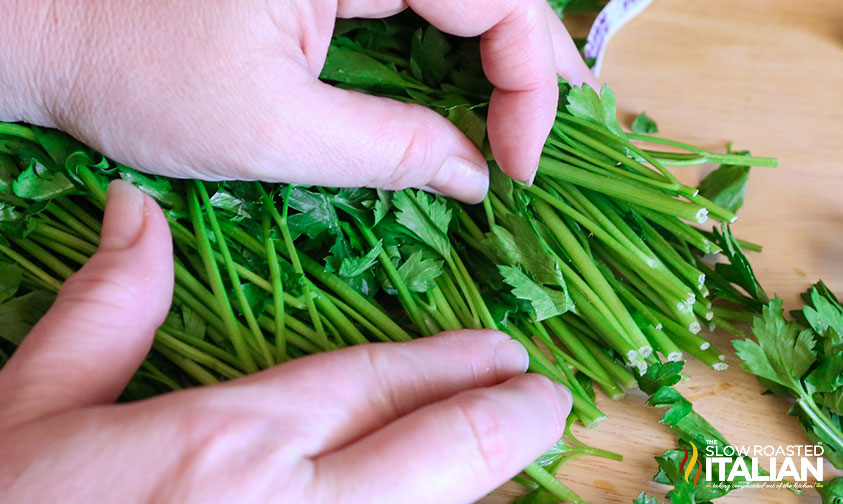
point(767, 75)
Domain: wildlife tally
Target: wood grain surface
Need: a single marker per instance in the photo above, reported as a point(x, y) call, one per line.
point(767, 75)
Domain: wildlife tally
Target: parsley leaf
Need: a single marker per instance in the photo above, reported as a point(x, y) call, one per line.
point(426, 217)
point(584, 103)
point(545, 302)
point(643, 125)
point(726, 186)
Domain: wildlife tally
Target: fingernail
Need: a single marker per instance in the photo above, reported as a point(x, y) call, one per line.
point(511, 356)
point(124, 215)
point(461, 179)
point(564, 395)
point(532, 177)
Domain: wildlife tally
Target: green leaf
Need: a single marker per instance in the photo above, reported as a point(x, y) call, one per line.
point(419, 272)
point(545, 302)
point(354, 266)
point(726, 186)
point(643, 498)
point(159, 188)
point(426, 217)
point(643, 125)
point(429, 56)
point(584, 103)
point(471, 124)
point(783, 353)
point(193, 323)
point(59, 145)
point(39, 184)
point(660, 375)
point(832, 491)
point(10, 277)
point(18, 315)
point(349, 66)
point(738, 271)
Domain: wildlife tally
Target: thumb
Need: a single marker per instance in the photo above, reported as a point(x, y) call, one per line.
point(92, 340)
point(361, 140)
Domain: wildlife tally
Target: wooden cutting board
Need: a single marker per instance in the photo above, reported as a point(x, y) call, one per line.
point(767, 75)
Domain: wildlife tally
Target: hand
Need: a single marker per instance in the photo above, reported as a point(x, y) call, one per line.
point(224, 89)
point(442, 419)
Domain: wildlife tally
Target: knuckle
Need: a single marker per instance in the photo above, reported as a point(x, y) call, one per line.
point(382, 366)
point(413, 159)
point(481, 417)
point(96, 283)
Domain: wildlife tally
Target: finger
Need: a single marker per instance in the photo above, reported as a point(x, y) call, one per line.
point(517, 53)
point(353, 139)
point(569, 63)
point(369, 8)
point(359, 389)
point(455, 450)
point(88, 345)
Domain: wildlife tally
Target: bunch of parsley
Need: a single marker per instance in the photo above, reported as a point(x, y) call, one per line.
point(595, 268)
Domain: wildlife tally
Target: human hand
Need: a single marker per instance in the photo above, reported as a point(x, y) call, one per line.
point(442, 419)
point(221, 90)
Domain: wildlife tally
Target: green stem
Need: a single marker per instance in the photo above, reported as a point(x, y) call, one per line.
point(233, 277)
point(18, 130)
point(710, 157)
point(223, 304)
point(277, 290)
point(552, 485)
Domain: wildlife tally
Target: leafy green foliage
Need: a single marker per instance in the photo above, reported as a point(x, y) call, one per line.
point(644, 125)
point(544, 302)
point(419, 272)
point(584, 102)
point(426, 217)
point(18, 313)
point(726, 186)
point(37, 183)
point(805, 363)
point(738, 270)
point(832, 491)
point(643, 498)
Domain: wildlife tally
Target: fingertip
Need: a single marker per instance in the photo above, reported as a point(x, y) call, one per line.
point(124, 216)
point(566, 400)
point(518, 126)
point(462, 179)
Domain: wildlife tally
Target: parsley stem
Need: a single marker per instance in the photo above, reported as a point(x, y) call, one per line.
point(583, 406)
point(710, 157)
point(622, 190)
point(182, 348)
point(371, 311)
point(585, 264)
point(233, 277)
point(74, 223)
point(60, 248)
point(407, 301)
point(223, 304)
point(48, 280)
point(43, 255)
point(582, 356)
point(277, 291)
point(204, 346)
point(552, 485)
point(18, 130)
point(187, 365)
point(51, 233)
point(822, 421)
